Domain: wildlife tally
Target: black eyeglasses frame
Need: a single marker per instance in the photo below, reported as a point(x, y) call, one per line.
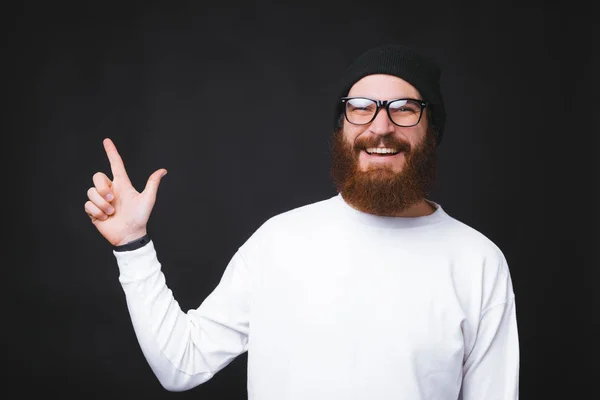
point(385, 104)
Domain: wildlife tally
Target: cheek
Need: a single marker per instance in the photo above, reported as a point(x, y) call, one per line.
point(350, 136)
point(351, 132)
point(422, 137)
point(416, 137)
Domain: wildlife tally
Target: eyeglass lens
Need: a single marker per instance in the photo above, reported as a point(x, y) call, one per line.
point(405, 112)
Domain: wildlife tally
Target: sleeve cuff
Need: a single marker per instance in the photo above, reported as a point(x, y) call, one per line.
point(134, 244)
point(137, 264)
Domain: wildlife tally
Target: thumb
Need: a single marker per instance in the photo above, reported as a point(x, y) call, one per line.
point(153, 181)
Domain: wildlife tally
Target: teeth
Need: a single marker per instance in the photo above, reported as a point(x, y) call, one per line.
point(381, 150)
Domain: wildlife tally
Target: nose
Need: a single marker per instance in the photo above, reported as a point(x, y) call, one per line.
point(382, 125)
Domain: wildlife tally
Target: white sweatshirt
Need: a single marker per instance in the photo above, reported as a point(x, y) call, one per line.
point(332, 303)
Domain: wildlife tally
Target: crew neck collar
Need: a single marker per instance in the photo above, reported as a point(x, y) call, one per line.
point(391, 222)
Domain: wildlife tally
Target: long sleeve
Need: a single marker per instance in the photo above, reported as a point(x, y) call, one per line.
point(491, 369)
point(185, 349)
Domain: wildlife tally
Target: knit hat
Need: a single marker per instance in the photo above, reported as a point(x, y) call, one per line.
point(405, 63)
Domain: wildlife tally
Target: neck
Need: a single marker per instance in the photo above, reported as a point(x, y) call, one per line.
point(420, 209)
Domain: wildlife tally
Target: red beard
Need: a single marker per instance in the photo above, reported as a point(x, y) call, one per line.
point(382, 191)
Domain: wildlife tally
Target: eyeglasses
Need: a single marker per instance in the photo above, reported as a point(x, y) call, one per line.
point(402, 112)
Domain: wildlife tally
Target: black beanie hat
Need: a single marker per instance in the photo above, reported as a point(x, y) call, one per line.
point(405, 63)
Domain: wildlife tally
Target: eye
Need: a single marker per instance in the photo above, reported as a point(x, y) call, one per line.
point(405, 106)
point(361, 104)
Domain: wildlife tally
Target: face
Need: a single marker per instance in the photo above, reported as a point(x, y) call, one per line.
point(382, 168)
point(382, 133)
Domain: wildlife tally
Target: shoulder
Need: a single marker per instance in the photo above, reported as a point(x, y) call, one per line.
point(479, 260)
point(305, 214)
point(295, 221)
point(467, 242)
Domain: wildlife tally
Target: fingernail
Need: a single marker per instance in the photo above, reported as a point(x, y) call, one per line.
point(110, 210)
point(110, 197)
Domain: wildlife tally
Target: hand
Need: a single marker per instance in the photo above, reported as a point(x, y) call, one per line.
point(119, 212)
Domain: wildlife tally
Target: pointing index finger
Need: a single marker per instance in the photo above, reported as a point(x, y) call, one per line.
point(116, 163)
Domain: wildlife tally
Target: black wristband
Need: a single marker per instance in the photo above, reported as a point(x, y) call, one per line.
point(134, 244)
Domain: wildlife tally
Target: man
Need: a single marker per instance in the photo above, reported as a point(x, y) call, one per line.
point(376, 293)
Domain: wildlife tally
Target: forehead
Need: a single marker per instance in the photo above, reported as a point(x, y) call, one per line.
point(383, 87)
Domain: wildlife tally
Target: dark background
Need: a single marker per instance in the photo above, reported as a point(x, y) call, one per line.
point(212, 92)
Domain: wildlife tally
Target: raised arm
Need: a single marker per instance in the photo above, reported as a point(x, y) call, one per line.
point(184, 349)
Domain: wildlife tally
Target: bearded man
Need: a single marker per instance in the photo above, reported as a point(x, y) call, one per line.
point(375, 293)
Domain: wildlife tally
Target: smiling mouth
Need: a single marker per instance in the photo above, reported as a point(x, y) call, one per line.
point(381, 151)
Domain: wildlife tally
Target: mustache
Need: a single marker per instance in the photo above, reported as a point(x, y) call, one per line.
point(386, 141)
